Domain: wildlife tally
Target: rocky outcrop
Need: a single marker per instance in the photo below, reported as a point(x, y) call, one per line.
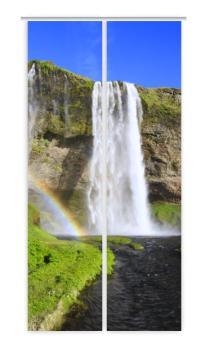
point(62, 142)
point(161, 138)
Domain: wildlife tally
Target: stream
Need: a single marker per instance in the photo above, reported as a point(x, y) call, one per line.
point(87, 316)
point(144, 292)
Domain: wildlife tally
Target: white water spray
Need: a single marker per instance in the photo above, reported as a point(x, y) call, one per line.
point(96, 167)
point(127, 205)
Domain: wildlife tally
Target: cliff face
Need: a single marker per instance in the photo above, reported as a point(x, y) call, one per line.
point(161, 137)
point(62, 136)
point(63, 101)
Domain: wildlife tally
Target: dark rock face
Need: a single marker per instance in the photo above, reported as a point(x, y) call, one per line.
point(75, 162)
point(62, 147)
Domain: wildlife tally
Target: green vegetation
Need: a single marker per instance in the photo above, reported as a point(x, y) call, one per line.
point(118, 240)
point(39, 145)
point(110, 261)
point(121, 240)
point(47, 67)
point(161, 105)
point(62, 93)
point(169, 213)
point(58, 271)
point(97, 240)
point(92, 239)
point(55, 124)
point(33, 215)
point(137, 246)
point(113, 240)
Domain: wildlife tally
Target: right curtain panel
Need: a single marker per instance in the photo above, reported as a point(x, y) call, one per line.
point(143, 148)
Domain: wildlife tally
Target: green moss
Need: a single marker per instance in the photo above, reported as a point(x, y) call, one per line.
point(79, 127)
point(137, 246)
point(55, 125)
point(48, 67)
point(58, 271)
point(110, 261)
point(169, 213)
point(39, 145)
point(119, 240)
point(33, 215)
point(160, 106)
point(70, 93)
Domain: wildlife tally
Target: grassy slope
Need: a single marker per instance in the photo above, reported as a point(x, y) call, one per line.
point(48, 67)
point(58, 271)
point(110, 255)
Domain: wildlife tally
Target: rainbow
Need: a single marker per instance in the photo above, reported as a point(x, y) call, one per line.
point(61, 214)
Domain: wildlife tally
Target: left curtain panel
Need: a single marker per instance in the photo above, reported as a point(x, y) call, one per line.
point(64, 247)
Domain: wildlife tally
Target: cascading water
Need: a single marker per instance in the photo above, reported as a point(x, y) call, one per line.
point(32, 104)
point(66, 103)
point(96, 167)
point(127, 205)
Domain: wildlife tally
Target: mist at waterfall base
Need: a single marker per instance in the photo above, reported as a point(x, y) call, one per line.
point(128, 210)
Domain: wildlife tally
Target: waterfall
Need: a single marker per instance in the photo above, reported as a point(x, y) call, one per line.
point(96, 167)
point(32, 104)
point(66, 109)
point(127, 205)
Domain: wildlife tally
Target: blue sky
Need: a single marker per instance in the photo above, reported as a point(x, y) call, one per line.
point(146, 53)
point(75, 46)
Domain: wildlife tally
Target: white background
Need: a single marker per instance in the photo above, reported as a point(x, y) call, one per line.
point(13, 147)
